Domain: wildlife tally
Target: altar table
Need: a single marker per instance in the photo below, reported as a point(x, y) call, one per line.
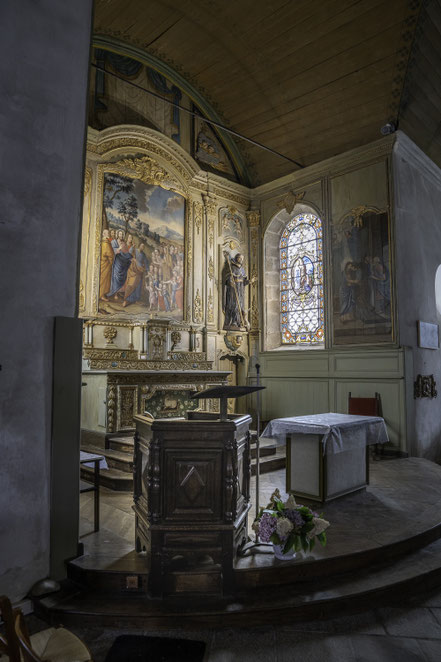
point(327, 454)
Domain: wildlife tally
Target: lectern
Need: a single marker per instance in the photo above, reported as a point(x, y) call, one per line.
point(192, 496)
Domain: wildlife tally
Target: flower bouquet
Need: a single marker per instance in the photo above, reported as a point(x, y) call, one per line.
point(289, 525)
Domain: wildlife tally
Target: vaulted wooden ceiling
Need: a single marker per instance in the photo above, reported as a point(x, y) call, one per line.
point(310, 78)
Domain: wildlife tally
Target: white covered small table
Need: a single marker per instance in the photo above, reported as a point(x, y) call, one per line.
point(327, 454)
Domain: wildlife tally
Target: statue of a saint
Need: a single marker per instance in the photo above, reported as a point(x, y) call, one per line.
point(233, 293)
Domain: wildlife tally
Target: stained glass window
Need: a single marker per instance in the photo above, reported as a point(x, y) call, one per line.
point(301, 281)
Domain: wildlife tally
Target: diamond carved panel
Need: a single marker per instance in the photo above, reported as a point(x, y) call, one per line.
point(193, 484)
point(196, 493)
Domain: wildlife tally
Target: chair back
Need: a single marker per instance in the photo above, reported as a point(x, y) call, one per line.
point(365, 406)
point(8, 642)
point(24, 643)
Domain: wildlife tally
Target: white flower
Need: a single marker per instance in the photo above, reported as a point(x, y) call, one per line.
point(290, 503)
point(319, 526)
point(283, 527)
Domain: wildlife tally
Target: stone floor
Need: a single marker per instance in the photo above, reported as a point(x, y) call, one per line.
point(406, 632)
point(403, 633)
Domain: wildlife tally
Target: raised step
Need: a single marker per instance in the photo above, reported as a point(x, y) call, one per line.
point(277, 460)
point(122, 444)
point(328, 596)
point(114, 479)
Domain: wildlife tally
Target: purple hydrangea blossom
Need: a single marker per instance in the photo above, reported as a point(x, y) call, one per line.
point(295, 517)
point(267, 527)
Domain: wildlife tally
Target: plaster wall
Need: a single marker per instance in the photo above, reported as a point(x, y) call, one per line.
point(43, 72)
point(417, 201)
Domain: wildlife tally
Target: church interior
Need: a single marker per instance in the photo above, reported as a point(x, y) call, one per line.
point(220, 328)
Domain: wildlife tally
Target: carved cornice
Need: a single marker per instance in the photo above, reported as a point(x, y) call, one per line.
point(189, 357)
point(103, 143)
point(146, 170)
point(119, 364)
point(215, 377)
point(332, 167)
point(110, 354)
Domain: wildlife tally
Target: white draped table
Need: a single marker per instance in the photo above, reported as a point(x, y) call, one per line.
point(327, 453)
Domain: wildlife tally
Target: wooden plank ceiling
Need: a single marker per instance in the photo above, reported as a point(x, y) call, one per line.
point(309, 79)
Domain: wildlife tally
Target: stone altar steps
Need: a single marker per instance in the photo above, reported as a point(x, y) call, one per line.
point(119, 456)
point(383, 544)
point(344, 592)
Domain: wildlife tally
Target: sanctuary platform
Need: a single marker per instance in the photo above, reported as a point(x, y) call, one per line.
point(382, 543)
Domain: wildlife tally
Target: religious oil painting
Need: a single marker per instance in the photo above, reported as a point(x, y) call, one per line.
point(362, 311)
point(301, 282)
point(208, 150)
point(142, 249)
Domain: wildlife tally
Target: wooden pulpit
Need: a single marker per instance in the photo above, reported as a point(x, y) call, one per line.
point(192, 497)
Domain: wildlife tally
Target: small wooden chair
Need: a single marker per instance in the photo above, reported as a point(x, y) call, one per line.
point(366, 407)
point(8, 643)
point(50, 645)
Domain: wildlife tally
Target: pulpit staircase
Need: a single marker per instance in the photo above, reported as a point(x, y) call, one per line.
point(118, 451)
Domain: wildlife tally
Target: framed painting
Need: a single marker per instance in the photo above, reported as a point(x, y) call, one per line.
point(361, 278)
point(141, 267)
point(209, 152)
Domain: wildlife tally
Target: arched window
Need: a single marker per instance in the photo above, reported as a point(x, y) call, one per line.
point(301, 282)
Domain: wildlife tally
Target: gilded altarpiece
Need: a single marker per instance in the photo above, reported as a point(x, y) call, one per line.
point(155, 234)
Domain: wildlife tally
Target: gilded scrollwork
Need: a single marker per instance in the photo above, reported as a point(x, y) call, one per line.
point(210, 268)
point(81, 297)
point(254, 313)
point(176, 338)
point(147, 170)
point(198, 211)
point(110, 333)
point(227, 195)
point(210, 308)
point(108, 364)
point(113, 144)
point(87, 181)
point(127, 406)
point(197, 308)
point(111, 408)
point(356, 214)
point(253, 218)
point(110, 354)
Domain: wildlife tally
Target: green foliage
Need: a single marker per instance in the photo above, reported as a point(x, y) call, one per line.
point(322, 538)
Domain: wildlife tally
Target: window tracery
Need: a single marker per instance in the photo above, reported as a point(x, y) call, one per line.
point(301, 281)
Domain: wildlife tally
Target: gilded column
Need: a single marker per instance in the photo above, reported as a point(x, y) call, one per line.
point(210, 252)
point(253, 218)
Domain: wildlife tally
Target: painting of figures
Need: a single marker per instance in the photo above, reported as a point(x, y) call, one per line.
point(142, 249)
point(362, 311)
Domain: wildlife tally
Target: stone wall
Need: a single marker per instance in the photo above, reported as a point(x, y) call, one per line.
point(417, 204)
point(43, 70)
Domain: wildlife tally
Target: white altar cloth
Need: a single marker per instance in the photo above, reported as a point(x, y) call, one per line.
point(340, 432)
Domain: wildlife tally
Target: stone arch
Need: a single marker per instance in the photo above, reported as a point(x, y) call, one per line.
point(271, 273)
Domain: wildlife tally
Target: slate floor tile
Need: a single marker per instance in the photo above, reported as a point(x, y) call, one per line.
point(419, 622)
point(431, 649)
point(386, 649)
point(363, 623)
point(293, 646)
point(243, 645)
